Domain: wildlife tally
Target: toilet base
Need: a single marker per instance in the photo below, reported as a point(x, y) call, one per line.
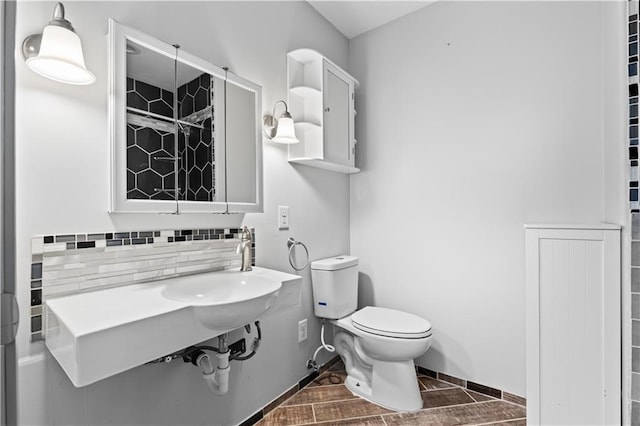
point(394, 385)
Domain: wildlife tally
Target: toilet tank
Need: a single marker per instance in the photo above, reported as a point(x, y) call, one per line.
point(335, 286)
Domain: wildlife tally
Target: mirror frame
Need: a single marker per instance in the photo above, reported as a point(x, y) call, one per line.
point(118, 36)
point(256, 207)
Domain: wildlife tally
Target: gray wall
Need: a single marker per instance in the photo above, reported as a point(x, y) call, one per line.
point(475, 118)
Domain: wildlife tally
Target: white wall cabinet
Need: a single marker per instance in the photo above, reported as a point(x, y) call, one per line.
point(573, 324)
point(322, 104)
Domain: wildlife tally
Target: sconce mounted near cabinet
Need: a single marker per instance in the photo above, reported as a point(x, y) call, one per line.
point(57, 52)
point(279, 130)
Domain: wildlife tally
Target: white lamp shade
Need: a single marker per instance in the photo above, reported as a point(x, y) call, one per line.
point(286, 133)
point(60, 57)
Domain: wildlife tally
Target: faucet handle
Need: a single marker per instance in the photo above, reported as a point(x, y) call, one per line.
point(240, 247)
point(246, 234)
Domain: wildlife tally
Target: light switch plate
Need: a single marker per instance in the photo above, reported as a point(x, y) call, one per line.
point(283, 217)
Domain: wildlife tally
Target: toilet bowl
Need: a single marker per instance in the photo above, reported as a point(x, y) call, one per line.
point(377, 345)
point(378, 356)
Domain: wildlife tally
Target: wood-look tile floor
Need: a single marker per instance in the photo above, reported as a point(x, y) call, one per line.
point(327, 401)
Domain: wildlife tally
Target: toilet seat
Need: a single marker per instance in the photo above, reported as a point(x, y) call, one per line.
point(391, 323)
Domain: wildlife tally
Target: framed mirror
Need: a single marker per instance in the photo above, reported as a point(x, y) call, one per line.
point(184, 133)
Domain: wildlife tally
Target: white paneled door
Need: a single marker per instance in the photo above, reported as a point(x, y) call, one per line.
point(573, 324)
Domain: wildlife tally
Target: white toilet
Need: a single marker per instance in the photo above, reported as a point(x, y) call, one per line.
point(377, 345)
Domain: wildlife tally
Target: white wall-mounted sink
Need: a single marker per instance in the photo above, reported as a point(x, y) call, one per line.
point(226, 299)
point(98, 334)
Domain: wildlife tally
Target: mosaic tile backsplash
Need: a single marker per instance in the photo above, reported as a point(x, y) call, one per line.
point(73, 263)
point(633, 111)
point(632, 65)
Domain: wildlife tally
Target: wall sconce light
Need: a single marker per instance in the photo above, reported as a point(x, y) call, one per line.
point(279, 130)
point(57, 52)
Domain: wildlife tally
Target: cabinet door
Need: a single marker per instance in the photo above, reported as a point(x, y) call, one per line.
point(573, 325)
point(338, 121)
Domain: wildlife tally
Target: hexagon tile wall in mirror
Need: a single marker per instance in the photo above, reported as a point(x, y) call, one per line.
point(169, 115)
point(197, 137)
point(151, 131)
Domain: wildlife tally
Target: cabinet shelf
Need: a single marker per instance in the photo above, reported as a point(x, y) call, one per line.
point(307, 125)
point(305, 91)
point(326, 165)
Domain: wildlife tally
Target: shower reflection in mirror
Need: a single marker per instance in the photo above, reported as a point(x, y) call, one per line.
point(171, 128)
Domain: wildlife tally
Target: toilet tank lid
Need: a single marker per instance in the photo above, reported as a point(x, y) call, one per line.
point(334, 263)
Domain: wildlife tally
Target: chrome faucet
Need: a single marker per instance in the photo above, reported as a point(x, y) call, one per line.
point(245, 248)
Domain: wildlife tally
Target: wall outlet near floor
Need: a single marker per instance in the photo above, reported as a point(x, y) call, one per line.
point(283, 217)
point(302, 330)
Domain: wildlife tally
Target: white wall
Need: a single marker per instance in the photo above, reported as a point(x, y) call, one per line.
point(62, 184)
point(475, 118)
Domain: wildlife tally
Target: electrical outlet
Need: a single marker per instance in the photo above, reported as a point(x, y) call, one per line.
point(302, 330)
point(283, 217)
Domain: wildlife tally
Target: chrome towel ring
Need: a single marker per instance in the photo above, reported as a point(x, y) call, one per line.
point(292, 243)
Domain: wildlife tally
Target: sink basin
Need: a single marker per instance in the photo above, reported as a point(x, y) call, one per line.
point(98, 334)
point(228, 299)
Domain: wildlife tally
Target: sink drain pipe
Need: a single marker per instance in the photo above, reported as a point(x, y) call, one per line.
point(217, 379)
